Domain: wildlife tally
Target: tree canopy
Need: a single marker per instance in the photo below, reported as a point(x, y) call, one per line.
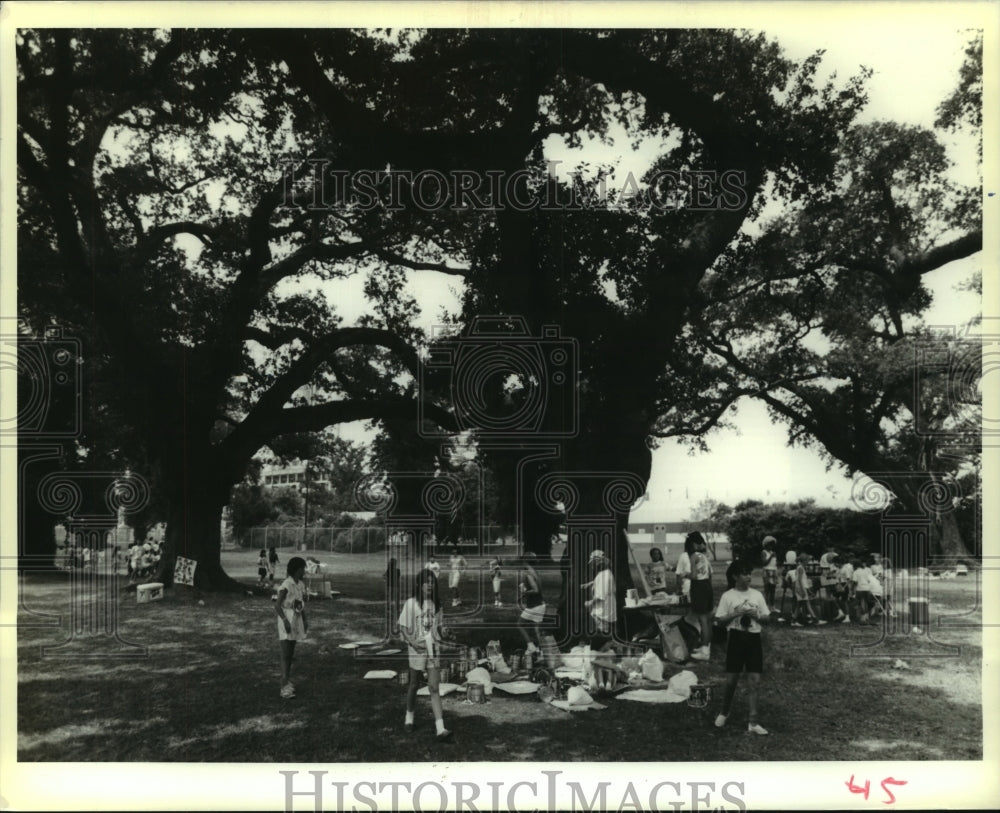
point(189, 197)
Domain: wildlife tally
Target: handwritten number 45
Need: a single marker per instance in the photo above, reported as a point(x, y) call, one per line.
point(863, 789)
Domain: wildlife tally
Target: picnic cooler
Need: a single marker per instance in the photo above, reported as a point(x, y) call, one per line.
point(146, 593)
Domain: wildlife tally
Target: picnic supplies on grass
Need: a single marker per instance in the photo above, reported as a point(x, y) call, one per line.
point(380, 674)
point(651, 666)
point(652, 696)
point(674, 648)
point(444, 689)
point(550, 652)
point(565, 705)
point(518, 687)
point(681, 683)
point(481, 676)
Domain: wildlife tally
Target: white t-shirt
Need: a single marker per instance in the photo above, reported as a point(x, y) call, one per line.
point(770, 559)
point(683, 566)
point(604, 591)
point(418, 620)
point(738, 600)
point(846, 574)
point(862, 579)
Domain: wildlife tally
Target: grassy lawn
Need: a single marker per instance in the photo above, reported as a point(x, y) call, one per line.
point(207, 688)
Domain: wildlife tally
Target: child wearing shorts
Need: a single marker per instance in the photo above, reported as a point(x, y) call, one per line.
point(741, 610)
point(532, 603)
point(495, 574)
point(292, 622)
point(420, 626)
point(262, 568)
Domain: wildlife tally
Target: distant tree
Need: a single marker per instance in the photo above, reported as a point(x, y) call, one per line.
point(710, 517)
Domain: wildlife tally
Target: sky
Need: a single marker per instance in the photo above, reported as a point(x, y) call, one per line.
point(912, 75)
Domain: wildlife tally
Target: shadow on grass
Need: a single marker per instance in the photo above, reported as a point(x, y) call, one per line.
point(208, 691)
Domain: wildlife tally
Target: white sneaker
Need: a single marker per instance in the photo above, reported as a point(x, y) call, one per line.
point(454, 602)
point(701, 654)
point(821, 622)
point(796, 624)
point(720, 721)
point(756, 728)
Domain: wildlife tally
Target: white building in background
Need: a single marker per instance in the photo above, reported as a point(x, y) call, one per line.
point(292, 475)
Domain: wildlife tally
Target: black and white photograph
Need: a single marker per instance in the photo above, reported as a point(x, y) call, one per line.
point(488, 406)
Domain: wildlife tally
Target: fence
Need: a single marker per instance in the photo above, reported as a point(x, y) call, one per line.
point(363, 539)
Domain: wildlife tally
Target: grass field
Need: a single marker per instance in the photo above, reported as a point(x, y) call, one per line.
point(207, 687)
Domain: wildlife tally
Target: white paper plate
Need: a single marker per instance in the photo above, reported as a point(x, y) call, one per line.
point(389, 652)
point(349, 646)
point(366, 643)
point(517, 687)
point(380, 674)
point(444, 689)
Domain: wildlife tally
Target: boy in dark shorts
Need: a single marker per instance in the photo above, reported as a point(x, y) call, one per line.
point(741, 610)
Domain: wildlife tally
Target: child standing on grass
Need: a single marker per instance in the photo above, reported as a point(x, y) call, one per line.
point(272, 564)
point(862, 579)
point(261, 567)
point(741, 610)
point(533, 612)
point(769, 561)
point(702, 599)
point(495, 573)
point(292, 622)
point(420, 626)
point(802, 601)
point(458, 565)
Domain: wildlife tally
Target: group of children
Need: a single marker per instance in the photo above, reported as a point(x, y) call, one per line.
point(267, 562)
point(857, 583)
point(741, 609)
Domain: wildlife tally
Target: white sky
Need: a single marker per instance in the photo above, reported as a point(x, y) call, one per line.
point(912, 75)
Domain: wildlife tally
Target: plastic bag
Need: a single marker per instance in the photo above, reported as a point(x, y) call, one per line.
point(674, 647)
point(652, 666)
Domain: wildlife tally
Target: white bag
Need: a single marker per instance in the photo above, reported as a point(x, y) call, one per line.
point(651, 666)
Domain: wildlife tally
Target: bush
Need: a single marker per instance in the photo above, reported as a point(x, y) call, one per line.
point(803, 527)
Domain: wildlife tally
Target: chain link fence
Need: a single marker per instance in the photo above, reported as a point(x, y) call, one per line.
point(360, 539)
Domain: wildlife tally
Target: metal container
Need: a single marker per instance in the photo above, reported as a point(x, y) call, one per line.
point(515, 663)
point(700, 697)
point(528, 662)
point(476, 693)
point(404, 677)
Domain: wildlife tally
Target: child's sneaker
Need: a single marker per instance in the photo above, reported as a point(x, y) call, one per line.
point(720, 721)
point(796, 624)
point(821, 622)
point(702, 653)
point(443, 736)
point(287, 691)
point(454, 602)
point(756, 728)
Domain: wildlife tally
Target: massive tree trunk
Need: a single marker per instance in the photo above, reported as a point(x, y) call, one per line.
point(197, 488)
point(925, 500)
